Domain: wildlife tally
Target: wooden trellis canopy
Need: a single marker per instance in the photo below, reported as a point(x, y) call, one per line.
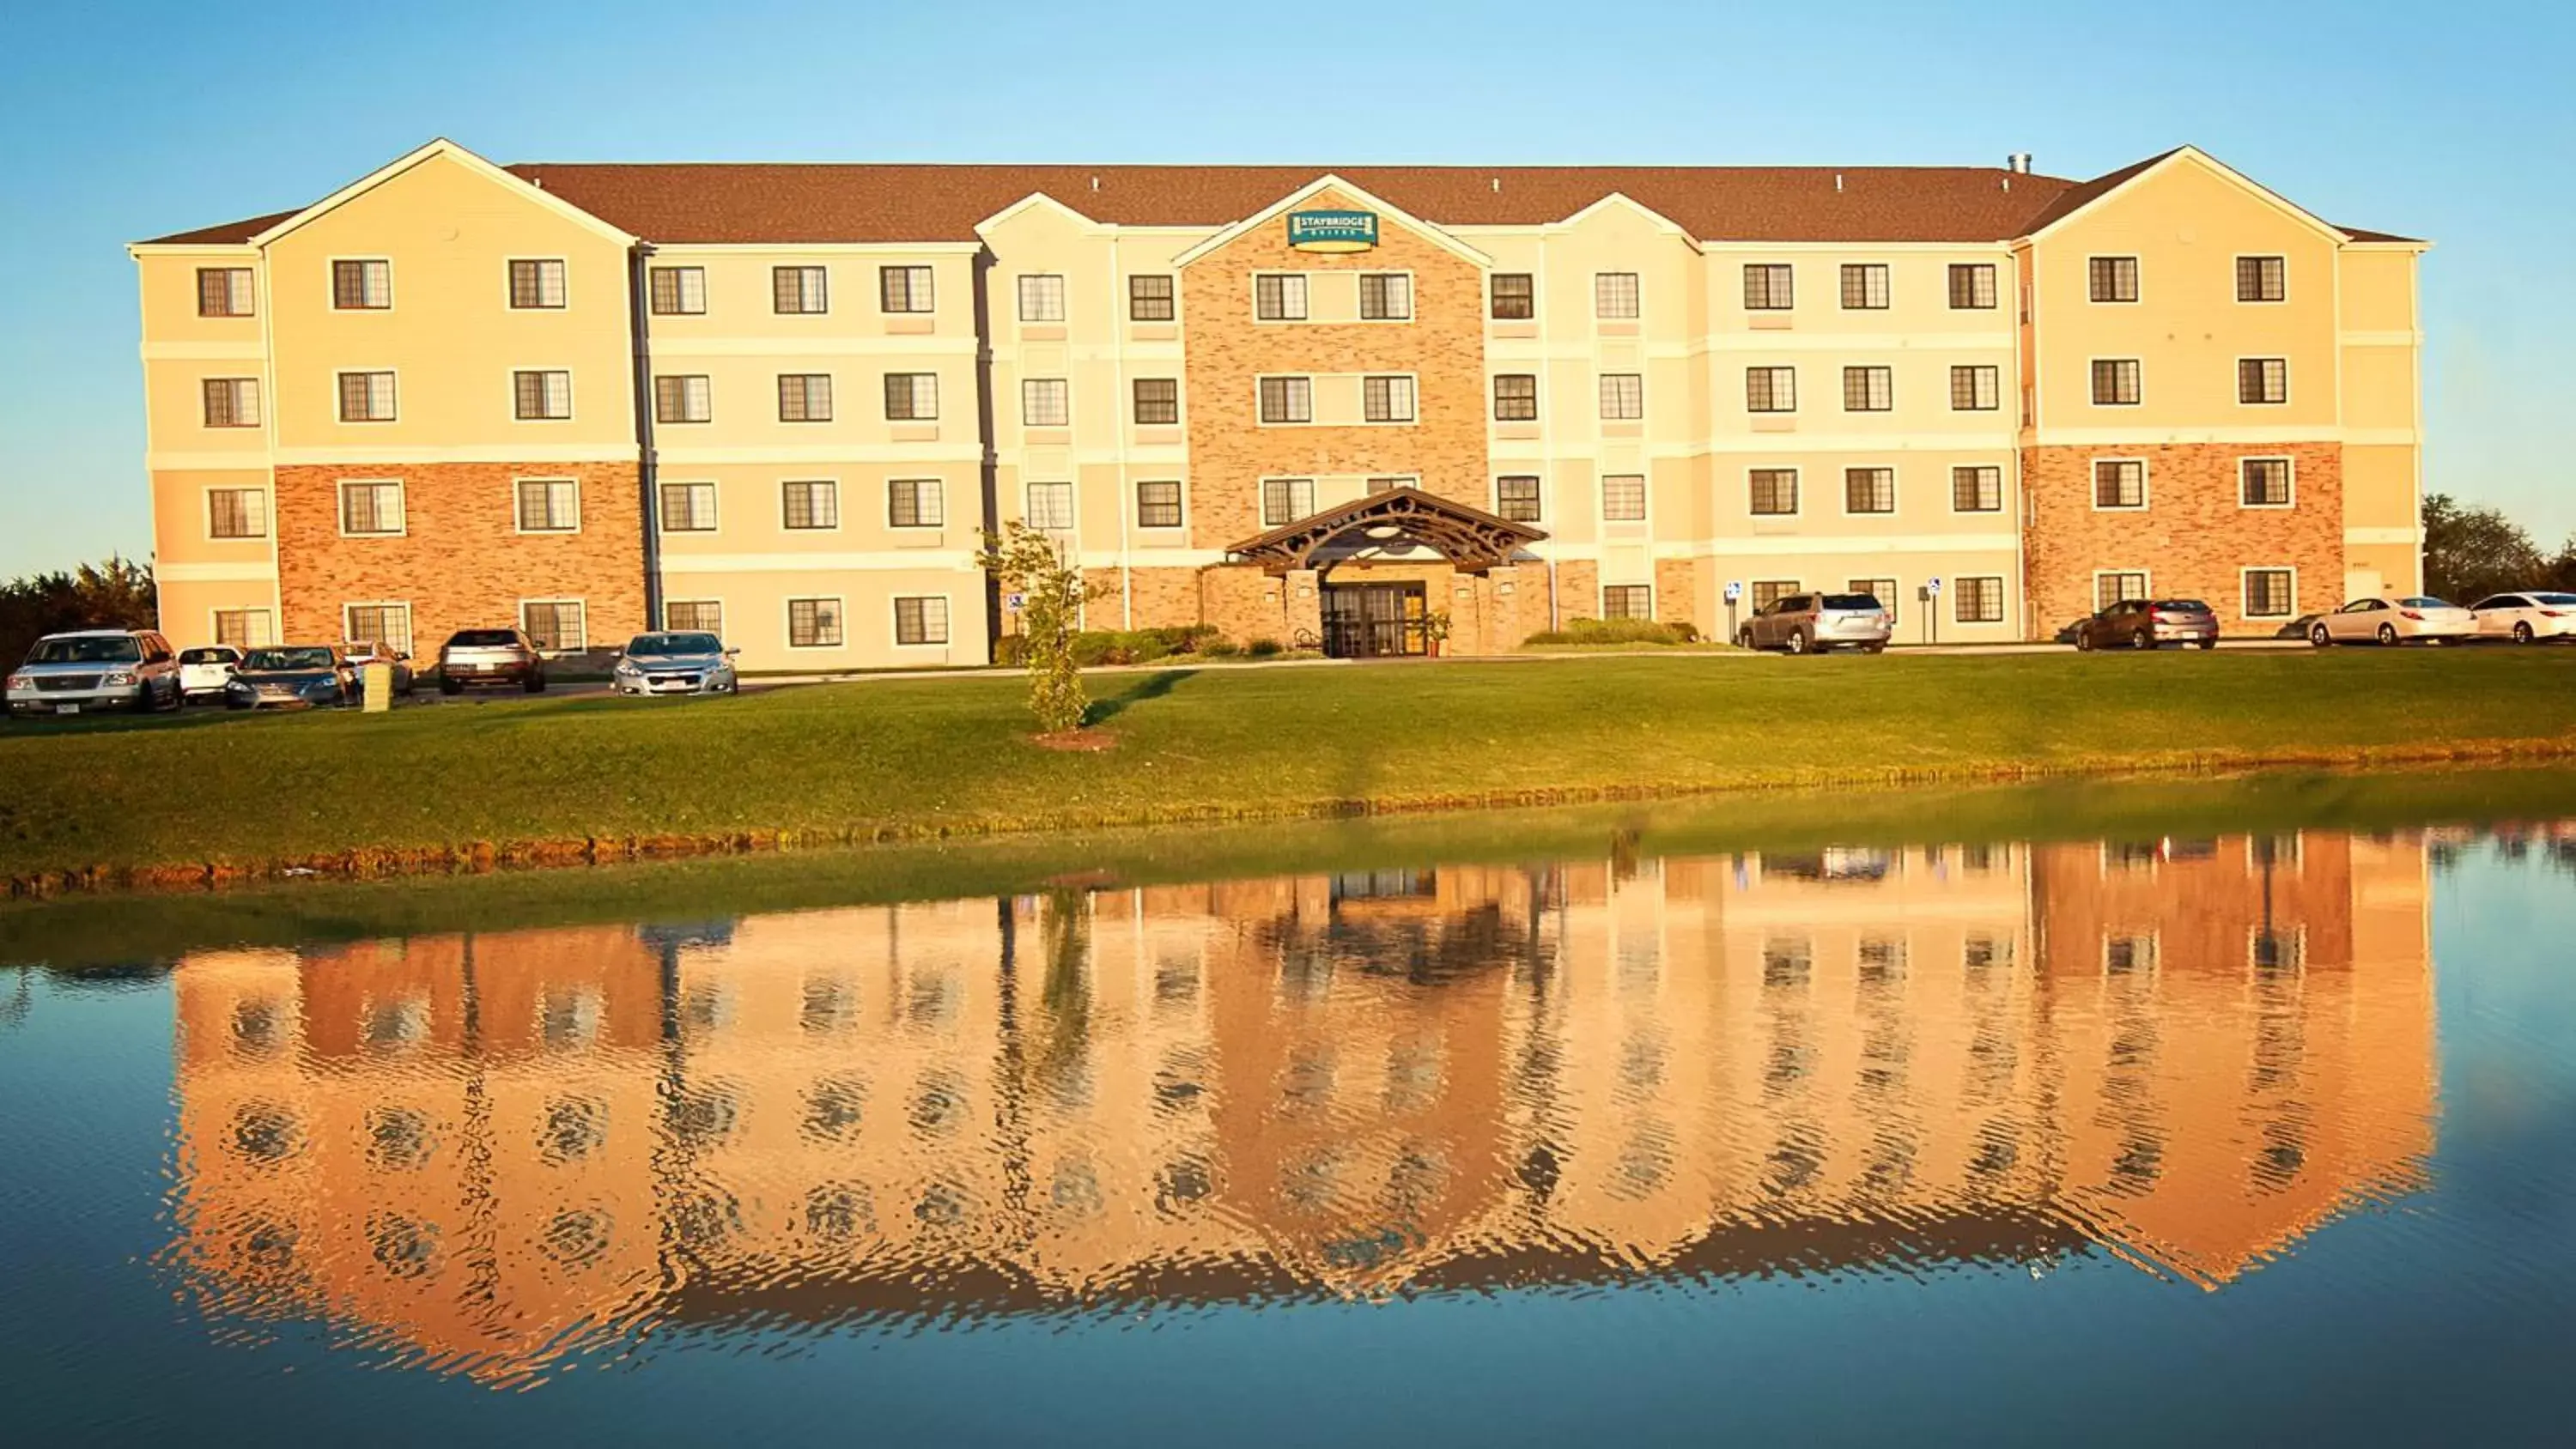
point(1471, 539)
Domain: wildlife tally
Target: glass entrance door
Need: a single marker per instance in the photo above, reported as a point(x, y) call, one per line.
point(1371, 621)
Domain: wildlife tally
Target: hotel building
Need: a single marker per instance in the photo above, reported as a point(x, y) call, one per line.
point(785, 401)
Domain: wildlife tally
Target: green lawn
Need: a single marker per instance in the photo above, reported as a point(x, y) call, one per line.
point(900, 759)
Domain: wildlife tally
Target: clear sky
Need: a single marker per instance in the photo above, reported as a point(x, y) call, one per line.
point(2452, 122)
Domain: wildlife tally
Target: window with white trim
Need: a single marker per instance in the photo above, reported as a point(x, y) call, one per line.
point(693, 616)
point(813, 623)
point(1287, 400)
point(2263, 482)
point(2262, 279)
point(1769, 287)
point(2112, 279)
point(1386, 297)
point(1972, 286)
point(232, 402)
point(536, 284)
point(1042, 297)
point(1285, 500)
point(1771, 389)
point(1513, 297)
point(1386, 399)
point(1149, 299)
point(2271, 594)
point(797, 291)
point(678, 291)
point(541, 396)
point(386, 624)
point(1976, 388)
point(916, 503)
point(2119, 483)
point(1869, 389)
point(904, 289)
point(244, 628)
point(366, 397)
point(911, 397)
point(2118, 382)
point(225, 292)
point(1158, 503)
point(362, 285)
point(809, 503)
point(683, 398)
point(1623, 497)
point(688, 507)
point(371, 507)
point(2115, 586)
point(1623, 396)
point(1767, 592)
point(549, 505)
point(1158, 401)
point(1517, 498)
point(1869, 490)
point(1279, 297)
point(1977, 488)
point(1516, 397)
point(804, 397)
point(1050, 505)
point(1627, 601)
point(555, 626)
point(1773, 492)
point(2262, 380)
point(921, 619)
point(1045, 402)
point(1865, 287)
point(1883, 590)
point(1977, 599)
point(236, 513)
point(1614, 295)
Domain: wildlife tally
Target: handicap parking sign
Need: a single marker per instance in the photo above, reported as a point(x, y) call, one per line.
point(1734, 590)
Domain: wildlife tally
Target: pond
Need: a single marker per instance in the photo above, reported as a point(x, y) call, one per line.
point(2252, 1128)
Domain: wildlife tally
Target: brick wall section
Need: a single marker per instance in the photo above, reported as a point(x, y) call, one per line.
point(2192, 537)
point(1164, 598)
point(1677, 592)
point(1579, 583)
point(1443, 347)
point(461, 561)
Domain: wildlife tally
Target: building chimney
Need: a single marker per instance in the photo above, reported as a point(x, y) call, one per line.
point(2018, 162)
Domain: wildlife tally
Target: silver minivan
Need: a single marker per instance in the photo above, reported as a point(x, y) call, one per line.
point(89, 671)
point(1814, 623)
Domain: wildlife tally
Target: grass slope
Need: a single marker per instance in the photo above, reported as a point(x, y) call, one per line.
point(904, 758)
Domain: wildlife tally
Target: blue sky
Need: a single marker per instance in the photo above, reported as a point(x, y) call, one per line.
point(125, 121)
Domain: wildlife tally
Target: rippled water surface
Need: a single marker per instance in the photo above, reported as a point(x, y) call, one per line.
point(2250, 1138)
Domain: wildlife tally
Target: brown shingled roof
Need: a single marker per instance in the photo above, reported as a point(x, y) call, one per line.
point(231, 233)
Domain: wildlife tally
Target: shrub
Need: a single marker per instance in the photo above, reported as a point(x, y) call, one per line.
point(1262, 648)
point(1596, 632)
point(1220, 648)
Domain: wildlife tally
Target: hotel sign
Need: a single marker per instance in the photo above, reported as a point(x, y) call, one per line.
point(1332, 231)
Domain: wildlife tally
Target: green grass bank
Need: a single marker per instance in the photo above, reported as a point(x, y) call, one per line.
point(909, 759)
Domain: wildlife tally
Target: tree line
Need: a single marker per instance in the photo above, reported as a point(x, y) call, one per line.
point(2471, 552)
point(116, 594)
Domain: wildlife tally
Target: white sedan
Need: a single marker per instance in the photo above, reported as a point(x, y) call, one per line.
point(2525, 618)
point(2393, 621)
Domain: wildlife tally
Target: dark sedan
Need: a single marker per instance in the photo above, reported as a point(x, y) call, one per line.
point(292, 676)
point(2149, 623)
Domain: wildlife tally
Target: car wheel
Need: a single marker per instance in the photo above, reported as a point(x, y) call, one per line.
point(2208, 643)
point(536, 684)
point(1744, 638)
point(2387, 633)
point(1797, 641)
point(450, 687)
point(2522, 633)
point(2143, 639)
point(2083, 641)
point(2318, 637)
point(1880, 648)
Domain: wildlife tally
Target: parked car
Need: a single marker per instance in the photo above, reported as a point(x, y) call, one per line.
point(361, 653)
point(89, 670)
point(1814, 623)
point(2394, 621)
point(490, 656)
point(2147, 624)
point(206, 669)
point(683, 662)
point(2525, 618)
point(292, 676)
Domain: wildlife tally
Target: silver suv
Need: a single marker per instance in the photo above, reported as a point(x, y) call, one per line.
point(1814, 623)
point(91, 670)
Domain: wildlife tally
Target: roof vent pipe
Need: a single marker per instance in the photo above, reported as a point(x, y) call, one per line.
point(1498, 185)
point(1838, 183)
point(1095, 183)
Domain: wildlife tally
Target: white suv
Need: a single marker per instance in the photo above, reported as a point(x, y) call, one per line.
point(92, 670)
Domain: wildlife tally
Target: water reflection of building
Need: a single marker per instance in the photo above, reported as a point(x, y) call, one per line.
point(490, 1149)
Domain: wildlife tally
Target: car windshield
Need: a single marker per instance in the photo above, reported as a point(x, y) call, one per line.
point(1851, 601)
point(481, 639)
point(106, 649)
point(667, 645)
point(206, 656)
point(2181, 606)
point(311, 658)
point(2422, 604)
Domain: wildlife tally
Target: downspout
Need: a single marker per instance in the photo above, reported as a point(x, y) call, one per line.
point(1120, 412)
point(1546, 425)
point(647, 468)
point(989, 479)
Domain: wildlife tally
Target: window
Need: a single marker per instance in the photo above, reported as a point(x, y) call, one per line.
point(1279, 297)
point(366, 397)
point(1767, 287)
point(371, 508)
point(1614, 294)
point(536, 285)
point(2262, 379)
point(682, 399)
point(1627, 601)
point(1287, 400)
point(2270, 594)
point(242, 628)
point(1977, 599)
point(798, 290)
point(1516, 498)
point(814, 503)
point(1050, 505)
point(236, 513)
point(362, 286)
point(1386, 399)
point(1045, 402)
point(1389, 485)
point(1042, 298)
point(2119, 483)
point(688, 507)
point(1869, 490)
point(904, 289)
point(1623, 396)
point(1158, 505)
point(2264, 482)
point(1149, 299)
point(813, 623)
point(555, 626)
point(1977, 489)
point(1158, 401)
point(804, 397)
point(915, 503)
point(1972, 286)
point(1623, 497)
point(922, 620)
point(386, 624)
point(1385, 297)
point(1976, 389)
point(693, 616)
point(1774, 491)
point(911, 396)
point(1516, 397)
point(1514, 298)
point(541, 396)
point(232, 402)
point(549, 505)
point(1285, 500)
point(2114, 586)
point(2116, 382)
point(679, 291)
point(1771, 389)
point(2262, 279)
point(1868, 389)
point(1767, 592)
point(1864, 286)
point(1883, 590)
point(2113, 279)
point(224, 292)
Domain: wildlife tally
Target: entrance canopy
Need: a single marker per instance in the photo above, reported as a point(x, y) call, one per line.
point(1471, 539)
